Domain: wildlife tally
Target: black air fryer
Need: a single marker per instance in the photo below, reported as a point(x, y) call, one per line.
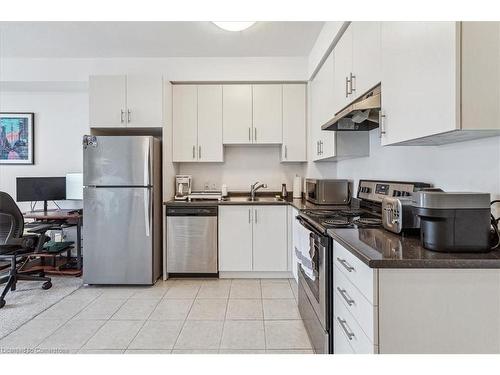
point(454, 222)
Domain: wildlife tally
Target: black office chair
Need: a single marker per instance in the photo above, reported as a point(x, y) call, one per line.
point(15, 246)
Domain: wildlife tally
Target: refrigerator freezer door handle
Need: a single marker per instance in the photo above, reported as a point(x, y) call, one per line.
point(146, 164)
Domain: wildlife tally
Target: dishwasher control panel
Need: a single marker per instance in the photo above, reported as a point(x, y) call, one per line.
point(192, 211)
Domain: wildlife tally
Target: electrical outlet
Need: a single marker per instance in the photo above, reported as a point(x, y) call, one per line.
point(214, 186)
point(206, 186)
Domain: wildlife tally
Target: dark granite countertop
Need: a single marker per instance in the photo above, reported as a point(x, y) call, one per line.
point(379, 248)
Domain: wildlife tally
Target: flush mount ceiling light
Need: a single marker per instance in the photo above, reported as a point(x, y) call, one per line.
point(233, 26)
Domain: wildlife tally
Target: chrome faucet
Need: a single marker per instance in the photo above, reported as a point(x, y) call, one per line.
point(254, 187)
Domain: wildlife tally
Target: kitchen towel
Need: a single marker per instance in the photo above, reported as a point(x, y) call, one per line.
point(303, 253)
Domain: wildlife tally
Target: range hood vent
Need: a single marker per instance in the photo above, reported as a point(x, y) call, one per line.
point(360, 115)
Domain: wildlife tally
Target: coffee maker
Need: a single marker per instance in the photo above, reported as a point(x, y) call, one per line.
point(182, 186)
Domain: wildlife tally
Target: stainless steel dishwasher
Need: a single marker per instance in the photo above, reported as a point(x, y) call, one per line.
point(192, 240)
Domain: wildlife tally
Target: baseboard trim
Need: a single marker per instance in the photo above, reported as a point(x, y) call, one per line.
point(255, 275)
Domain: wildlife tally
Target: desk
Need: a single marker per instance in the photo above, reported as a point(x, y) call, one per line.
point(67, 217)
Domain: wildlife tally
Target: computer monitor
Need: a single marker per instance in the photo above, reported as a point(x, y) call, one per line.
point(33, 189)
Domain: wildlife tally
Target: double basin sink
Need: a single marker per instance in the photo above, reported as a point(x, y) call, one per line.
point(246, 199)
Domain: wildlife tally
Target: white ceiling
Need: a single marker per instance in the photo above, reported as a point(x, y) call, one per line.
point(154, 39)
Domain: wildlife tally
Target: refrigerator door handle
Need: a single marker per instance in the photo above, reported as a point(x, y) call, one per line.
point(147, 211)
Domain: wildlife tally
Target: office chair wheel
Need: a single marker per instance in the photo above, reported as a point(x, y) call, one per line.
point(47, 285)
point(2, 303)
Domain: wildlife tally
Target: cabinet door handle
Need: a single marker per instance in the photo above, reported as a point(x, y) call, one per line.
point(381, 124)
point(346, 87)
point(128, 115)
point(346, 265)
point(122, 112)
point(194, 152)
point(249, 134)
point(343, 324)
point(345, 296)
point(255, 134)
point(321, 147)
point(199, 152)
point(255, 216)
point(249, 216)
point(351, 81)
point(286, 152)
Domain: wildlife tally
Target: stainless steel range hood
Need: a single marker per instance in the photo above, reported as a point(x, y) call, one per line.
point(360, 115)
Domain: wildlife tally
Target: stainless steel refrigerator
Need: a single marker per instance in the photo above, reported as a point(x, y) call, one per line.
point(122, 210)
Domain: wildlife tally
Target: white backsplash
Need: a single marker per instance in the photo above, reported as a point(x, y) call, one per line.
point(244, 164)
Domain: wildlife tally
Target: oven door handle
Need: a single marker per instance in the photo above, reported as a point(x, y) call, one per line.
point(306, 224)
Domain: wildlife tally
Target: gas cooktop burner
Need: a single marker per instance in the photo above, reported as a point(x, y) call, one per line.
point(351, 213)
point(337, 223)
point(320, 213)
point(368, 221)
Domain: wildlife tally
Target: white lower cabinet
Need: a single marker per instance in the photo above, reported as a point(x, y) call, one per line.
point(351, 330)
point(235, 238)
point(269, 238)
point(253, 238)
point(413, 311)
point(354, 304)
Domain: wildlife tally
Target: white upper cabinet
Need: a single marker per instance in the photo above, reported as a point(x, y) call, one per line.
point(357, 62)
point(322, 94)
point(343, 72)
point(270, 238)
point(144, 101)
point(237, 114)
point(197, 123)
point(294, 123)
point(267, 114)
point(107, 101)
point(210, 147)
point(366, 56)
point(185, 122)
point(419, 79)
point(125, 101)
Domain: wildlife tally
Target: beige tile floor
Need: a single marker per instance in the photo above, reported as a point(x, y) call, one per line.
point(176, 316)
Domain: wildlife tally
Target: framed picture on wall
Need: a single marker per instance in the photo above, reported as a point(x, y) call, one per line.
point(17, 138)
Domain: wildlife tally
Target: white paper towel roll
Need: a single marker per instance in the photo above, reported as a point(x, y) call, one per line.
point(297, 187)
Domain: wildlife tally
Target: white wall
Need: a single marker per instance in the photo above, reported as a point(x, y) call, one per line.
point(243, 166)
point(464, 166)
point(173, 69)
point(61, 118)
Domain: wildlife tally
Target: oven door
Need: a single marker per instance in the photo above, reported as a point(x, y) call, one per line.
point(315, 288)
